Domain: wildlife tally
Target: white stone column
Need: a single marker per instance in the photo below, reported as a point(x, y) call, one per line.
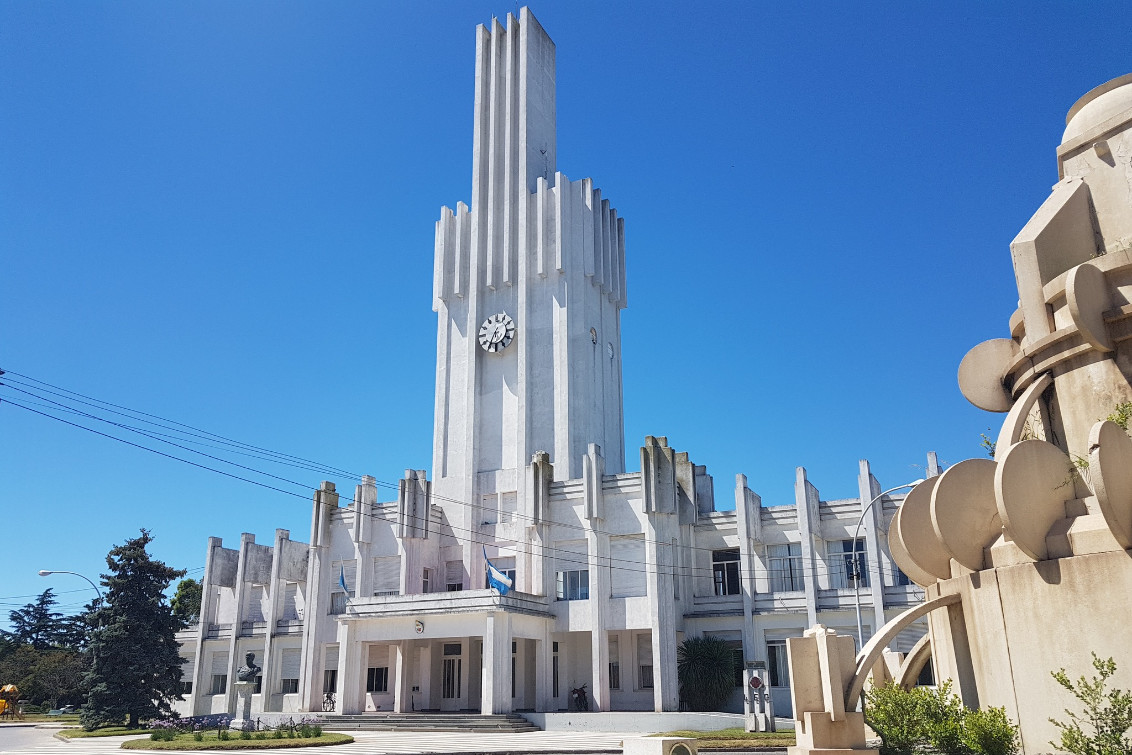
point(868, 488)
point(235, 656)
point(349, 697)
point(544, 660)
point(496, 696)
point(402, 657)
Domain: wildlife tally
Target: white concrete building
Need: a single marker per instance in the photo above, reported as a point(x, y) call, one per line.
point(611, 568)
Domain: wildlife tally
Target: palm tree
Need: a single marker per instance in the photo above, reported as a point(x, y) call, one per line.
point(706, 668)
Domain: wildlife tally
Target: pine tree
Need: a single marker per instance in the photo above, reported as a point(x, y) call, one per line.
point(186, 601)
point(36, 624)
point(135, 667)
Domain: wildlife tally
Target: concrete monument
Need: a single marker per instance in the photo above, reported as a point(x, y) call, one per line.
point(1025, 557)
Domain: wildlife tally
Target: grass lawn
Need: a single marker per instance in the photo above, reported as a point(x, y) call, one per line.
point(735, 739)
point(210, 742)
point(108, 731)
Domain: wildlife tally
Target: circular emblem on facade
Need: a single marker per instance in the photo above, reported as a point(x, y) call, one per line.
point(419, 626)
point(497, 332)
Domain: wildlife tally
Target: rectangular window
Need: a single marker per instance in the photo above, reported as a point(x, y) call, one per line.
point(387, 575)
point(426, 580)
point(847, 567)
point(258, 684)
point(505, 564)
point(337, 602)
point(186, 688)
point(291, 602)
point(507, 505)
point(627, 566)
point(902, 578)
point(329, 680)
point(614, 664)
point(454, 576)
point(725, 571)
point(340, 571)
point(644, 661)
point(450, 686)
point(377, 679)
point(573, 585)
point(777, 665)
point(219, 684)
point(489, 504)
point(785, 567)
point(737, 659)
point(554, 676)
point(452, 648)
point(290, 661)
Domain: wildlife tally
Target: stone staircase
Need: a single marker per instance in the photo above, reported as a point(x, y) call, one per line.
point(426, 722)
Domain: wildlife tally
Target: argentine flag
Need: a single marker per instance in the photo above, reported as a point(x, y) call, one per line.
point(342, 581)
point(496, 578)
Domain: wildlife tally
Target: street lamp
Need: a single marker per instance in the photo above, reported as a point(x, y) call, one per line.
point(48, 572)
point(856, 564)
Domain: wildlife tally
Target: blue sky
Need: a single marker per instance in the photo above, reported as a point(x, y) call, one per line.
point(222, 213)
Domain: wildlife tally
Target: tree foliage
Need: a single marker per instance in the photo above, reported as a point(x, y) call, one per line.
point(706, 670)
point(42, 653)
point(1107, 714)
point(135, 667)
point(186, 601)
point(36, 624)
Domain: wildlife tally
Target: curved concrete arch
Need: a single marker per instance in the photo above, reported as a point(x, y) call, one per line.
point(1015, 422)
point(914, 663)
point(870, 653)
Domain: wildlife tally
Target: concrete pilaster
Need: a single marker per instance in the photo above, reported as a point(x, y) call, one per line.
point(275, 611)
point(205, 617)
point(806, 500)
point(868, 488)
point(666, 692)
point(598, 547)
point(544, 659)
point(318, 583)
point(234, 656)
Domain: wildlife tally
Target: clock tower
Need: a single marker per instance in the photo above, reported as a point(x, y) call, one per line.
point(529, 286)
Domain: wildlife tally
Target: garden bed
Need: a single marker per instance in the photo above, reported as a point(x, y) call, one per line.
point(210, 741)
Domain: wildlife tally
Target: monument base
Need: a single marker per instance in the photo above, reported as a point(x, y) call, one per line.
point(243, 717)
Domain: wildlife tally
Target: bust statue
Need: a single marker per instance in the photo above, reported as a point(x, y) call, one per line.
point(249, 671)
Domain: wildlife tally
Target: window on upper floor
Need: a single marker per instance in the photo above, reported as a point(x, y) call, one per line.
point(454, 576)
point(847, 564)
point(337, 602)
point(573, 585)
point(219, 684)
point(901, 578)
point(725, 571)
point(426, 580)
point(784, 562)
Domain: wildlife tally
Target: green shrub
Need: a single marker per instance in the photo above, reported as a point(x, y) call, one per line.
point(223, 735)
point(163, 735)
point(278, 734)
point(245, 734)
point(705, 668)
point(909, 721)
point(990, 732)
point(1108, 714)
point(198, 736)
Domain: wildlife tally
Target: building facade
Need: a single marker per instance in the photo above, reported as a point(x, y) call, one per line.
point(386, 607)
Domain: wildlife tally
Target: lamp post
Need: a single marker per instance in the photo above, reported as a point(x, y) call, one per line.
point(856, 564)
point(48, 572)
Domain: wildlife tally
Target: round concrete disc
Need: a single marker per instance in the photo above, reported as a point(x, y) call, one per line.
point(901, 557)
point(917, 534)
point(1110, 471)
point(1015, 422)
point(964, 513)
point(981, 371)
point(1031, 485)
point(1086, 293)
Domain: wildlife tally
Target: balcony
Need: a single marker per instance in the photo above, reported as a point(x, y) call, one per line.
point(289, 626)
point(218, 631)
point(251, 628)
point(462, 601)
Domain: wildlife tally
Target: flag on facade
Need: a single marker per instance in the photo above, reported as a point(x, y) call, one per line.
point(496, 578)
point(342, 580)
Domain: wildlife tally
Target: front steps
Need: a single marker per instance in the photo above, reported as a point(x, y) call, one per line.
point(473, 722)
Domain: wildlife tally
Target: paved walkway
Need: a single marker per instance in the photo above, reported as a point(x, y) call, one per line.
point(378, 743)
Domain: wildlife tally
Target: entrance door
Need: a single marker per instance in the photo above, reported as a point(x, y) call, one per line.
point(452, 682)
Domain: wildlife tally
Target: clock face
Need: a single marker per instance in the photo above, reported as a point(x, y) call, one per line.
point(497, 332)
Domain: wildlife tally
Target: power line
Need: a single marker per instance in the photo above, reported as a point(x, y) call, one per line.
point(474, 534)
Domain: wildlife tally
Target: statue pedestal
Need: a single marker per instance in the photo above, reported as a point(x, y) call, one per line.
point(243, 717)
